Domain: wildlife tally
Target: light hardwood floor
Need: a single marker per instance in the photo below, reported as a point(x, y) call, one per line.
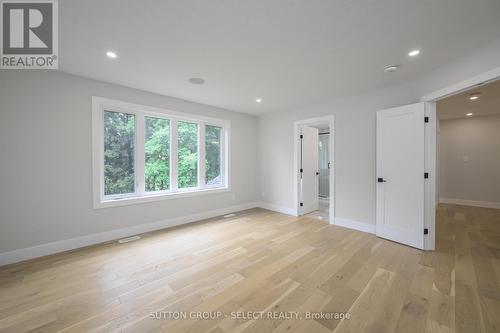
point(265, 261)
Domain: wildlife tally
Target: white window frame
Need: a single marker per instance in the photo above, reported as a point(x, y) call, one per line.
point(100, 104)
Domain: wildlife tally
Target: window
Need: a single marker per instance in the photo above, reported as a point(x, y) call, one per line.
point(157, 154)
point(188, 154)
point(143, 154)
point(119, 153)
point(213, 154)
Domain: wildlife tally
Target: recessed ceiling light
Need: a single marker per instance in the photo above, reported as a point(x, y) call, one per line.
point(196, 80)
point(474, 97)
point(111, 54)
point(391, 68)
point(414, 53)
point(469, 114)
point(258, 100)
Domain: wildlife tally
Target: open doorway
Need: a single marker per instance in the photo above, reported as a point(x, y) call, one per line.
point(314, 168)
point(468, 158)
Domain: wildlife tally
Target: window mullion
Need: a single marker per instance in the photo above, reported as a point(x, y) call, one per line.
point(201, 156)
point(140, 154)
point(174, 156)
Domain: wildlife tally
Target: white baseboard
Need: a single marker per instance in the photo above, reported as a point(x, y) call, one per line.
point(463, 202)
point(78, 242)
point(74, 243)
point(360, 226)
point(279, 209)
point(346, 223)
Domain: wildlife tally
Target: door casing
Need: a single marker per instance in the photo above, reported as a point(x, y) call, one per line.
point(296, 162)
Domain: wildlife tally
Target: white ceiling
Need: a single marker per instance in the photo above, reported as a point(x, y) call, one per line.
point(459, 105)
point(288, 52)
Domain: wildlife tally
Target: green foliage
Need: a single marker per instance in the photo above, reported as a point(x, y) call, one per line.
point(157, 151)
point(119, 152)
point(119, 149)
point(188, 154)
point(212, 154)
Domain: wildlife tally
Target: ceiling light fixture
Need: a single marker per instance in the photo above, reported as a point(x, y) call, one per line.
point(474, 97)
point(414, 53)
point(196, 80)
point(111, 54)
point(391, 68)
point(258, 100)
point(469, 114)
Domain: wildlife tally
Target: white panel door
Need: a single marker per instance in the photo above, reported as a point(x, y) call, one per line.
point(400, 174)
point(309, 175)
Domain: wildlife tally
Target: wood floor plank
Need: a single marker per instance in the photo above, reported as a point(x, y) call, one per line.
point(365, 305)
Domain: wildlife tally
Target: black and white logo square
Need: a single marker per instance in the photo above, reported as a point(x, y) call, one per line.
point(29, 34)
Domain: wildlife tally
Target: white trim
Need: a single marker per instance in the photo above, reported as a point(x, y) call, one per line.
point(338, 221)
point(430, 201)
point(160, 196)
point(461, 86)
point(78, 242)
point(159, 111)
point(278, 209)
point(99, 105)
point(473, 203)
point(296, 162)
point(355, 225)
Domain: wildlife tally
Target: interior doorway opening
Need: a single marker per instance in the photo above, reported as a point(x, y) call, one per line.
point(314, 190)
point(434, 192)
point(467, 159)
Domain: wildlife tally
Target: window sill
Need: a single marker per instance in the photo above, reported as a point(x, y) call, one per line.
point(157, 197)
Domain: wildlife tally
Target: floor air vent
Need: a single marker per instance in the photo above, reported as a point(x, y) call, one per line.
point(129, 239)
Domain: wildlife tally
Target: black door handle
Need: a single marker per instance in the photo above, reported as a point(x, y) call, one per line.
point(317, 173)
point(381, 180)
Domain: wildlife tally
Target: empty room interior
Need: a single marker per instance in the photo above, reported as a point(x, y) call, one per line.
point(250, 166)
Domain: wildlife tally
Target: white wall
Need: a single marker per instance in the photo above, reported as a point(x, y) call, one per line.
point(45, 149)
point(482, 60)
point(354, 160)
point(478, 138)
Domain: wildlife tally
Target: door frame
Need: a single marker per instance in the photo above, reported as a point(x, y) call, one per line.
point(431, 198)
point(296, 161)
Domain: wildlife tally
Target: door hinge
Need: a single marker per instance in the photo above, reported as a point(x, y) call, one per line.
point(426, 175)
point(301, 136)
point(301, 204)
point(426, 231)
point(301, 170)
point(426, 119)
